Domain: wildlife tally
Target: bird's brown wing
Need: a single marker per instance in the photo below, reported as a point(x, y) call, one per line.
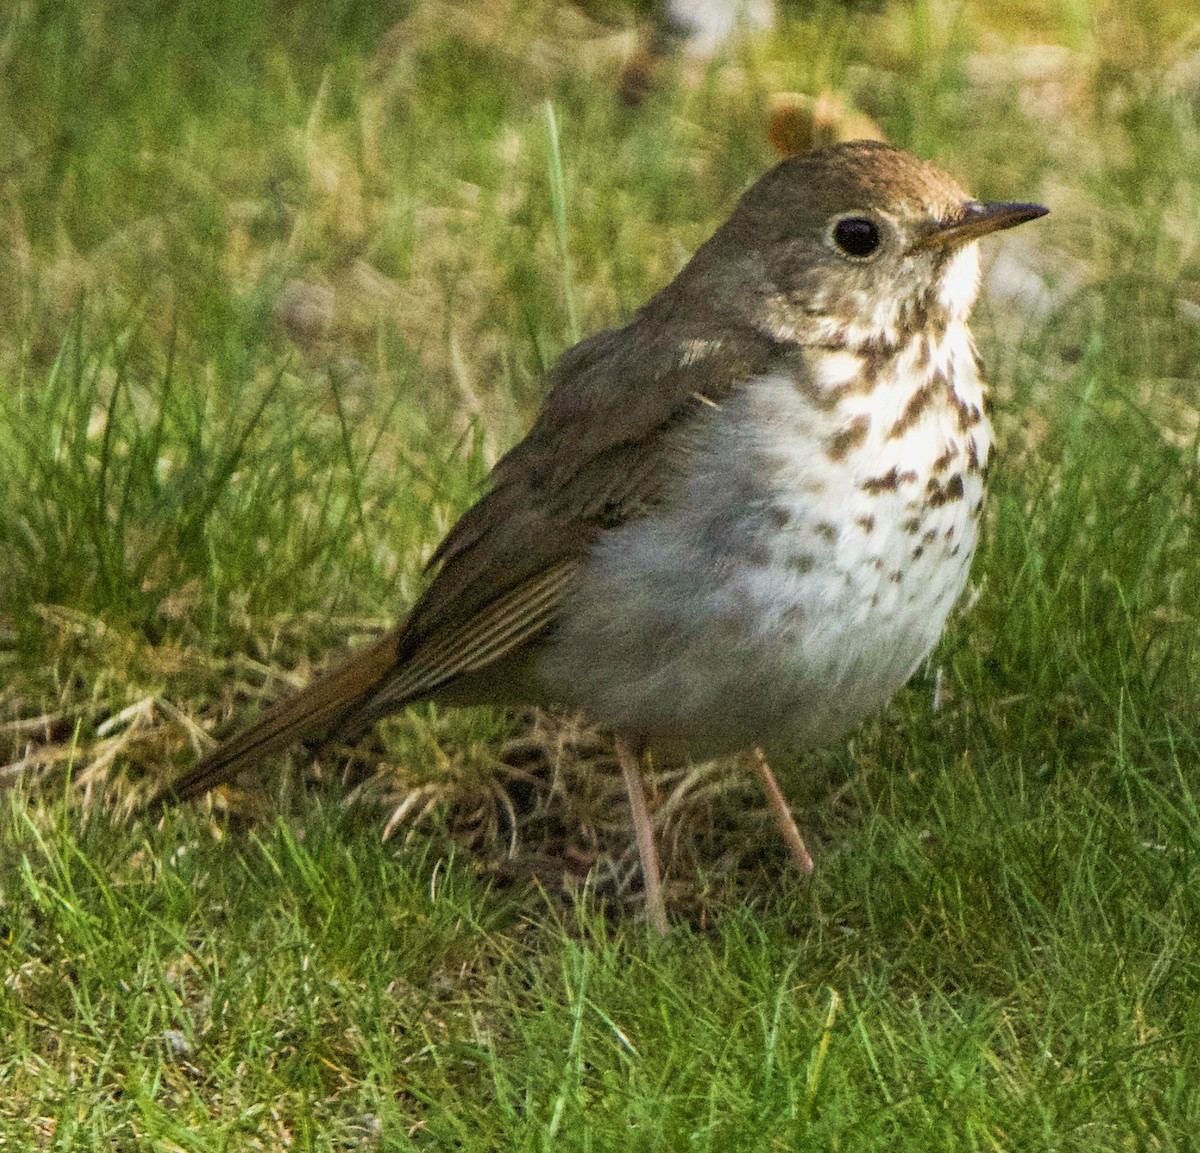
point(597, 456)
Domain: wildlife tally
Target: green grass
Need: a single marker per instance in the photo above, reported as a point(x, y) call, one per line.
point(985, 963)
point(277, 284)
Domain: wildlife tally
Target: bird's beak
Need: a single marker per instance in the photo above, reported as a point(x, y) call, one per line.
point(976, 220)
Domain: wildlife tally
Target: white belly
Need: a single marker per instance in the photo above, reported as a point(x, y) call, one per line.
point(780, 598)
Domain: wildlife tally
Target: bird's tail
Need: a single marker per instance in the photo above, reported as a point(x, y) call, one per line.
point(327, 706)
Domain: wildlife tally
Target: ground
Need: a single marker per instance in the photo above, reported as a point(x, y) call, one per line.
point(277, 285)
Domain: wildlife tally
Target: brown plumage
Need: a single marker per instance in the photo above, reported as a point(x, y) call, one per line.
point(679, 546)
point(588, 464)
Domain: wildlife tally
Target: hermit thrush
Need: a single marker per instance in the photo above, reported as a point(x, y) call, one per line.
point(738, 521)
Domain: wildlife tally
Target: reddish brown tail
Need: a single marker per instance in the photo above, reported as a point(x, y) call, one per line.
point(324, 707)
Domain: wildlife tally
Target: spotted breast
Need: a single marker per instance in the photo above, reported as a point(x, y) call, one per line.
point(783, 596)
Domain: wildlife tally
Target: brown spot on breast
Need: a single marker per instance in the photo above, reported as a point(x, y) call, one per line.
point(826, 531)
point(917, 403)
point(779, 516)
point(868, 377)
point(842, 441)
point(943, 462)
point(940, 494)
point(917, 551)
point(867, 523)
point(972, 455)
point(930, 536)
point(895, 576)
point(968, 414)
point(889, 482)
point(912, 524)
point(876, 349)
point(800, 563)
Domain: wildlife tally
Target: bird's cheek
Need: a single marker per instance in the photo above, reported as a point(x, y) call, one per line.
point(801, 272)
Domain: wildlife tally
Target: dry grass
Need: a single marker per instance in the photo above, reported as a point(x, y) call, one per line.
point(430, 302)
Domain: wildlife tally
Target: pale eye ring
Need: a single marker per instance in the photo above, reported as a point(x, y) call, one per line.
point(857, 236)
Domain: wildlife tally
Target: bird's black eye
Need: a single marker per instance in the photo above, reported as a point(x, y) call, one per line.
point(857, 236)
